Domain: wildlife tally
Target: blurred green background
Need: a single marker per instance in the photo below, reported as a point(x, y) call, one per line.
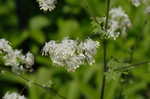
point(28, 28)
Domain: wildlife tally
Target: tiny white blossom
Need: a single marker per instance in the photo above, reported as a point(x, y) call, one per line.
point(49, 48)
point(29, 60)
point(11, 58)
point(71, 53)
point(89, 48)
point(13, 95)
point(66, 48)
point(47, 5)
point(5, 46)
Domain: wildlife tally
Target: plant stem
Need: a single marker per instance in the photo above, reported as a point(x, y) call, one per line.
point(124, 68)
point(107, 15)
point(105, 68)
point(41, 86)
point(34, 83)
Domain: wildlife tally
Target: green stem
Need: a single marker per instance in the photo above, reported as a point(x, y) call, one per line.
point(124, 68)
point(34, 83)
point(105, 68)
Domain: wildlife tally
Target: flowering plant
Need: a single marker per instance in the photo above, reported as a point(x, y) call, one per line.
point(71, 58)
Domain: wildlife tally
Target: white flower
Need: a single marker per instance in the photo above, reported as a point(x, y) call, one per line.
point(29, 60)
point(49, 48)
point(47, 5)
point(11, 58)
point(13, 95)
point(14, 58)
point(136, 3)
point(66, 49)
point(89, 48)
point(4, 46)
point(18, 61)
point(59, 52)
point(117, 24)
point(71, 53)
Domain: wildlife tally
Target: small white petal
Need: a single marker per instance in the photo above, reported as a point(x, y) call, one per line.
point(13, 95)
point(5, 46)
point(29, 60)
point(47, 5)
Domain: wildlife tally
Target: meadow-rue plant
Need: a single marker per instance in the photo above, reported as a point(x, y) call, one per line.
point(118, 24)
point(14, 58)
point(136, 3)
point(13, 95)
point(47, 5)
point(71, 53)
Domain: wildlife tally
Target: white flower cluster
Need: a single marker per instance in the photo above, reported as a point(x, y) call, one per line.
point(71, 53)
point(15, 58)
point(13, 95)
point(47, 5)
point(117, 24)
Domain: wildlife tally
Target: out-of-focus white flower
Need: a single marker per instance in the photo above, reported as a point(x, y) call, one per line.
point(59, 52)
point(15, 58)
point(89, 48)
point(13, 95)
point(29, 60)
point(147, 10)
point(5, 46)
point(11, 58)
point(136, 3)
point(71, 53)
point(65, 49)
point(49, 48)
point(47, 5)
point(117, 24)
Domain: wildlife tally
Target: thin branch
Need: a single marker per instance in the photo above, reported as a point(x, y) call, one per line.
point(124, 68)
point(107, 15)
point(102, 90)
point(35, 83)
point(105, 68)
